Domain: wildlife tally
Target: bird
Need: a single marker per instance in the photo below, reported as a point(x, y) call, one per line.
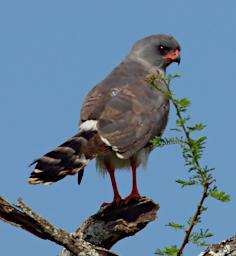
point(118, 119)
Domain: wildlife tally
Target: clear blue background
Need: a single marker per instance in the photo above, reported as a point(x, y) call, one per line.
point(53, 52)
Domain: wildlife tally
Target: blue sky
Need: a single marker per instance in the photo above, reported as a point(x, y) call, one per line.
point(52, 53)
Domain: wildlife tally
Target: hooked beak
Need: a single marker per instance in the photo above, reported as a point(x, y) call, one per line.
point(173, 56)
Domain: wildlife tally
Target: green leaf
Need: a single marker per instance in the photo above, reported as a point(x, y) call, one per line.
point(175, 225)
point(184, 103)
point(219, 195)
point(197, 238)
point(201, 139)
point(161, 142)
point(171, 251)
point(179, 122)
point(197, 127)
point(184, 183)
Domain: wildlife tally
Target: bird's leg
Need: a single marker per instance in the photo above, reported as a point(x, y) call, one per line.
point(117, 197)
point(134, 193)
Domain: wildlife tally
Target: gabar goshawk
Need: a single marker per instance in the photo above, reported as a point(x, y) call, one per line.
point(119, 117)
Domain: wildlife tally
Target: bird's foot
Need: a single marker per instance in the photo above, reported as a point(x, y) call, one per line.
point(116, 201)
point(132, 196)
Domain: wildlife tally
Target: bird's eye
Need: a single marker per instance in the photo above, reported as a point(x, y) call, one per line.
point(163, 49)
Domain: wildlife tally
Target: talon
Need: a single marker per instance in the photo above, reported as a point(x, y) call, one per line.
point(115, 201)
point(132, 196)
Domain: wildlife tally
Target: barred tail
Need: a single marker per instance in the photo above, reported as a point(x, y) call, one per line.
point(67, 159)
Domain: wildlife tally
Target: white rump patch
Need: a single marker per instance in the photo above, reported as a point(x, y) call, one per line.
point(89, 125)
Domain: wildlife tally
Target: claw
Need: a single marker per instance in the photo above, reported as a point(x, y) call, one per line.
point(115, 201)
point(132, 196)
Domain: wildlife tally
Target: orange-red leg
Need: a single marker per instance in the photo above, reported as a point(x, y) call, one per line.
point(117, 197)
point(134, 193)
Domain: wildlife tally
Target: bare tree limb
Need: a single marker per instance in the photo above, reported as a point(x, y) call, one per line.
point(225, 248)
point(35, 224)
point(99, 232)
point(95, 236)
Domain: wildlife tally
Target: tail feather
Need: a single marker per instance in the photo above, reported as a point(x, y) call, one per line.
point(80, 176)
point(67, 159)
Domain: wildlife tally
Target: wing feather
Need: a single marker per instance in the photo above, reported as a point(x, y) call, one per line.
point(129, 111)
point(133, 117)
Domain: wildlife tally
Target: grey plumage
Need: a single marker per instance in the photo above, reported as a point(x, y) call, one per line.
point(119, 117)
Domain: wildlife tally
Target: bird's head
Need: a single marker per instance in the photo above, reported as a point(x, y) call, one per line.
point(158, 50)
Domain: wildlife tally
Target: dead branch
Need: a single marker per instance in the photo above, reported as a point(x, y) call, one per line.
point(95, 236)
point(225, 248)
